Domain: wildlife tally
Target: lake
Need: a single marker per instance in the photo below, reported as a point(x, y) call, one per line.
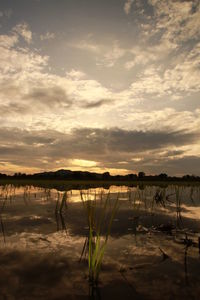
point(150, 237)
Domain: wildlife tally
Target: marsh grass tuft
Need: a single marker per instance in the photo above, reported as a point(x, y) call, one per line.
point(100, 216)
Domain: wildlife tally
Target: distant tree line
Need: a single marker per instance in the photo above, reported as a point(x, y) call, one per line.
point(81, 175)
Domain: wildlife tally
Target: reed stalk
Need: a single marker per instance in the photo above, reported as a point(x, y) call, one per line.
point(99, 228)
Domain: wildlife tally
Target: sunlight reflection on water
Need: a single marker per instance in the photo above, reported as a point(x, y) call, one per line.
point(147, 244)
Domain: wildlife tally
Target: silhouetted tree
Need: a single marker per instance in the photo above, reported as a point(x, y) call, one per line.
point(141, 175)
point(163, 176)
point(106, 175)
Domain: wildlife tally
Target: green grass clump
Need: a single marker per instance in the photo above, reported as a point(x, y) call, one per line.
point(99, 226)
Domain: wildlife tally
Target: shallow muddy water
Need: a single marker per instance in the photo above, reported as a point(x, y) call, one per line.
point(152, 250)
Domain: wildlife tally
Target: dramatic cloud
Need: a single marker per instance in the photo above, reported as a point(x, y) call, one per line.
point(15, 60)
point(115, 87)
point(178, 19)
point(51, 97)
point(101, 148)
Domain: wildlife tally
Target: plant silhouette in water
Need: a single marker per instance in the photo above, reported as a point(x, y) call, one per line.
point(60, 205)
point(99, 227)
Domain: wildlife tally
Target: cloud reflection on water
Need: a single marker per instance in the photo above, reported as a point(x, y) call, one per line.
point(40, 255)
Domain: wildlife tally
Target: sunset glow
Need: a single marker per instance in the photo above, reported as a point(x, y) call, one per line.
point(100, 86)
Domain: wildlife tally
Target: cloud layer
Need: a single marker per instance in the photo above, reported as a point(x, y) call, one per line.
point(101, 148)
point(119, 95)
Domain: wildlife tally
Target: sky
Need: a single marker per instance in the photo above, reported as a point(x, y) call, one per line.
point(100, 85)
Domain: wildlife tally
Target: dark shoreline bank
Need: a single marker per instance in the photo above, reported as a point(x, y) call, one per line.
point(62, 184)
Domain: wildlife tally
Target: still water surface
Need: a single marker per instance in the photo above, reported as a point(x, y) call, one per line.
point(152, 251)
